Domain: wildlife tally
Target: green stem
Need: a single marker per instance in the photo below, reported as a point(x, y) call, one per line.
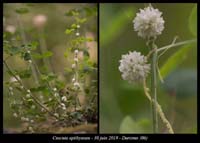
point(33, 97)
point(177, 44)
point(153, 88)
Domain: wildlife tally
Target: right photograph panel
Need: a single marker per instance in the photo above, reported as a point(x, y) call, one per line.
point(148, 68)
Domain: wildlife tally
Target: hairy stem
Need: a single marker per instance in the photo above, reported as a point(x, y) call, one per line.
point(33, 97)
point(159, 110)
point(153, 88)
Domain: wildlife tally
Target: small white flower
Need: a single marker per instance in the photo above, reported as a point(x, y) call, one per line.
point(54, 89)
point(76, 51)
point(15, 115)
point(56, 94)
point(23, 118)
point(73, 79)
point(149, 22)
point(64, 108)
point(133, 67)
point(76, 59)
point(26, 119)
point(73, 66)
point(11, 93)
point(30, 128)
point(28, 91)
point(77, 34)
point(78, 26)
point(28, 95)
point(29, 61)
point(62, 104)
point(33, 107)
point(43, 110)
point(10, 88)
point(64, 98)
point(32, 121)
point(50, 99)
point(76, 84)
point(28, 51)
point(13, 79)
point(22, 87)
point(56, 114)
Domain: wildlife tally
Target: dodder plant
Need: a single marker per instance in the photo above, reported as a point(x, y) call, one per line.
point(50, 104)
point(134, 66)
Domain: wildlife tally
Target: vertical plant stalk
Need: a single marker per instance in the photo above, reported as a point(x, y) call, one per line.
point(43, 48)
point(154, 88)
point(159, 110)
point(24, 42)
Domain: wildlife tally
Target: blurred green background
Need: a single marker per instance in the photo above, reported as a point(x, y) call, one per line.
point(123, 107)
point(54, 37)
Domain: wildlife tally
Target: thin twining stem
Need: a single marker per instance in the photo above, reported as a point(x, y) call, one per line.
point(173, 42)
point(176, 44)
point(34, 98)
point(170, 46)
point(159, 109)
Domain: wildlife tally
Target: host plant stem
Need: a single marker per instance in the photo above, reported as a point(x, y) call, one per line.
point(154, 88)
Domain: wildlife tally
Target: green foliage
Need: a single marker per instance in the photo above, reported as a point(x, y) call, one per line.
point(25, 73)
point(22, 10)
point(41, 56)
point(48, 77)
point(128, 125)
point(109, 31)
point(193, 21)
point(40, 94)
point(174, 60)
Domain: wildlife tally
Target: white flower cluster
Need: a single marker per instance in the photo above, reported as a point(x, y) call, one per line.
point(149, 22)
point(133, 67)
point(74, 67)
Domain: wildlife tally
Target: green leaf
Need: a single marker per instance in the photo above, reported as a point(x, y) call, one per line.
point(37, 56)
point(86, 53)
point(74, 26)
point(39, 88)
point(26, 56)
point(13, 50)
point(47, 54)
point(72, 12)
point(174, 60)
point(193, 21)
point(90, 11)
point(48, 77)
point(80, 20)
point(69, 31)
point(116, 24)
point(33, 45)
point(128, 125)
point(44, 55)
point(22, 10)
point(25, 73)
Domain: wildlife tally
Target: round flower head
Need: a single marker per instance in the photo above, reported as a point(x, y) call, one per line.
point(133, 67)
point(149, 22)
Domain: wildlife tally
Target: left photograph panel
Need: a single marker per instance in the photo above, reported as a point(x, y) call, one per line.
point(50, 68)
